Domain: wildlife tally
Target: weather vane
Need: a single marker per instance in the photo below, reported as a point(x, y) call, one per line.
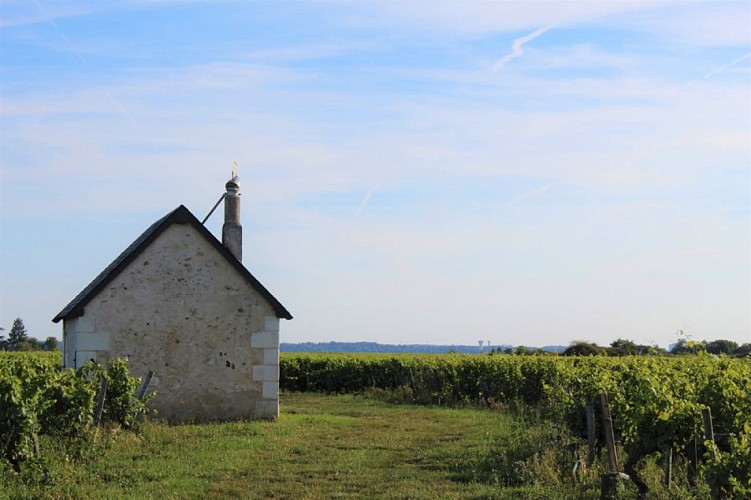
point(234, 169)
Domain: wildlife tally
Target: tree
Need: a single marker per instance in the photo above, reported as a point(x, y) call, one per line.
point(50, 344)
point(656, 350)
point(623, 347)
point(25, 346)
point(721, 346)
point(581, 348)
point(523, 350)
point(17, 335)
point(684, 346)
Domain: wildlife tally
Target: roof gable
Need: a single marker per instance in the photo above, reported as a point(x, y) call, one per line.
point(180, 215)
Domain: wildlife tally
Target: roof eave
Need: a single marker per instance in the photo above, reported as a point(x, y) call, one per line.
point(181, 215)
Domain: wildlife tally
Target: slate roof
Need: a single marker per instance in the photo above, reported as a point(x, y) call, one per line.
point(180, 215)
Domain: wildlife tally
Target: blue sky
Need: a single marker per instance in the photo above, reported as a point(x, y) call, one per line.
point(412, 172)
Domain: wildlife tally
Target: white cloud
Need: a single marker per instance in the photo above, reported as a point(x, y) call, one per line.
point(552, 196)
point(697, 24)
point(479, 17)
point(21, 12)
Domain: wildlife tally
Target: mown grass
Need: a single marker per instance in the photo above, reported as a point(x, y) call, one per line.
point(321, 447)
point(334, 446)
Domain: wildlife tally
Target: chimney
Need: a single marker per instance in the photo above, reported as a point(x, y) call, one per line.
point(232, 231)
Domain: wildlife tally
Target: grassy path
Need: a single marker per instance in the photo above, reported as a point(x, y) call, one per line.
point(321, 447)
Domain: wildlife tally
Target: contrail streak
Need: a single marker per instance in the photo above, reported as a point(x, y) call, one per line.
point(120, 107)
point(123, 110)
point(59, 32)
point(528, 194)
point(366, 199)
point(712, 73)
point(727, 66)
point(516, 47)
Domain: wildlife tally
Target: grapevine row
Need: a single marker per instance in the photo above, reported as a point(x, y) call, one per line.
point(38, 398)
point(656, 401)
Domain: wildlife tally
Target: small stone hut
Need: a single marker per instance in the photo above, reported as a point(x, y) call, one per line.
point(180, 303)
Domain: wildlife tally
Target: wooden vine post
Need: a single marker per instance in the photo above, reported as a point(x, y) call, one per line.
point(100, 401)
point(145, 385)
point(693, 462)
point(611, 481)
point(668, 466)
point(607, 422)
point(706, 415)
point(591, 432)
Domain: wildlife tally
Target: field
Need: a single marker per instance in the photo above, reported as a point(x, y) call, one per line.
point(485, 427)
point(321, 447)
point(660, 404)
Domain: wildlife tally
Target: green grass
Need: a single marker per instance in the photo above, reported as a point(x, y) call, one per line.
point(321, 447)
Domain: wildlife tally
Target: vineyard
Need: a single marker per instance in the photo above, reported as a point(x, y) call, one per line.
point(656, 402)
point(659, 407)
point(43, 406)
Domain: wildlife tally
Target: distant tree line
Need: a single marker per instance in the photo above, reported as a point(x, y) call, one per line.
point(375, 347)
point(684, 346)
point(623, 347)
point(19, 340)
